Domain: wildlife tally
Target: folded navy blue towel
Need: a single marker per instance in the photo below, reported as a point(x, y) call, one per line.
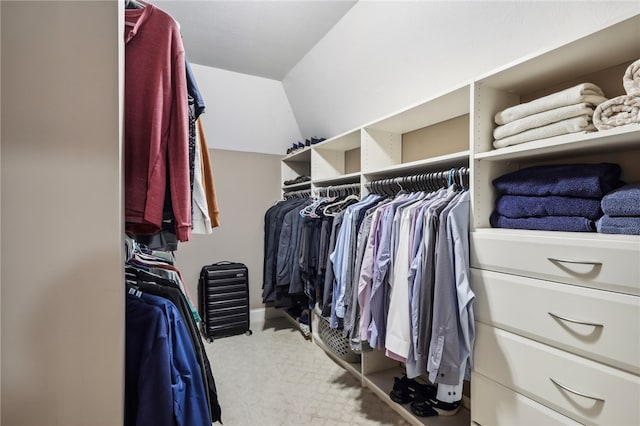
point(619, 225)
point(571, 180)
point(547, 223)
point(553, 205)
point(624, 201)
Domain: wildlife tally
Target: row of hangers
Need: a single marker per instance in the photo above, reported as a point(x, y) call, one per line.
point(422, 182)
point(329, 205)
point(339, 190)
point(328, 191)
point(135, 250)
point(431, 181)
point(301, 193)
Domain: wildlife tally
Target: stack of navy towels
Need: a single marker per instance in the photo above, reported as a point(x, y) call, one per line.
point(621, 209)
point(554, 197)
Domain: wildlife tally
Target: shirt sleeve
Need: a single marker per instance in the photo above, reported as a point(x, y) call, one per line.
point(178, 147)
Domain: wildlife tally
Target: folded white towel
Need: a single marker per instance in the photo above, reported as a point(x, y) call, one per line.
point(617, 112)
point(631, 79)
point(585, 92)
point(542, 119)
point(570, 125)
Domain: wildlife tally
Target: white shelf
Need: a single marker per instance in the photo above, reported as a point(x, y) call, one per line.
point(435, 110)
point(302, 185)
point(600, 58)
point(617, 139)
point(338, 180)
point(579, 236)
point(301, 156)
point(330, 164)
point(344, 142)
point(381, 383)
point(442, 162)
point(610, 46)
point(353, 368)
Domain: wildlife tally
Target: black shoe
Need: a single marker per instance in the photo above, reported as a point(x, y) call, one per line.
point(307, 142)
point(404, 390)
point(425, 391)
point(407, 390)
point(433, 407)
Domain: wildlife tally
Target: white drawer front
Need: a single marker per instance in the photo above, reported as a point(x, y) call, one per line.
point(591, 260)
point(607, 327)
point(493, 404)
point(593, 393)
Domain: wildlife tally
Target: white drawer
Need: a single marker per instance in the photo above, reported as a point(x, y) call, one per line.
point(545, 311)
point(610, 262)
point(584, 390)
point(493, 404)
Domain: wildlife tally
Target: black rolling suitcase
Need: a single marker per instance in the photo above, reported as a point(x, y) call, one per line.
point(223, 294)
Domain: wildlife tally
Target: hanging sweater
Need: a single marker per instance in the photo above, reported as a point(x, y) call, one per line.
point(156, 136)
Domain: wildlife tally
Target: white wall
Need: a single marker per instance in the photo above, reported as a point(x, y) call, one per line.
point(246, 186)
point(62, 279)
point(384, 56)
point(245, 113)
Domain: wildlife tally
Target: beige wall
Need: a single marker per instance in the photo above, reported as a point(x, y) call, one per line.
point(62, 306)
point(246, 185)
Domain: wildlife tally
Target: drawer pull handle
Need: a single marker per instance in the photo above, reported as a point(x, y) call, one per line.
point(578, 262)
point(575, 321)
point(560, 385)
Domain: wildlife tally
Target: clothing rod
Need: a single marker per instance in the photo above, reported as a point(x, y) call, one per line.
point(420, 182)
point(349, 188)
point(302, 193)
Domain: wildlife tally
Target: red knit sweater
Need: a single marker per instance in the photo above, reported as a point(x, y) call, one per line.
point(156, 137)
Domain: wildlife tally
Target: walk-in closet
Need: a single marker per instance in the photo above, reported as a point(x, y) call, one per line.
point(305, 212)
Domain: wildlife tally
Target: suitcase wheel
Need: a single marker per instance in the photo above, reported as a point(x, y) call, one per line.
point(248, 332)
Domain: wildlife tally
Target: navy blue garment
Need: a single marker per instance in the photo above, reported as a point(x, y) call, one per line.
point(619, 225)
point(274, 218)
point(570, 180)
point(525, 206)
point(623, 201)
point(189, 397)
point(193, 90)
point(547, 223)
point(148, 396)
point(309, 254)
point(168, 289)
point(268, 284)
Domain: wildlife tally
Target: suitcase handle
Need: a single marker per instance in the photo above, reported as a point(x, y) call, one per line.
point(223, 262)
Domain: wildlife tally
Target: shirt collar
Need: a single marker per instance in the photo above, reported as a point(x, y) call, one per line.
point(137, 17)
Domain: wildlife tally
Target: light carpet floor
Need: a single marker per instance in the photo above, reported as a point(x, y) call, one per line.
point(276, 377)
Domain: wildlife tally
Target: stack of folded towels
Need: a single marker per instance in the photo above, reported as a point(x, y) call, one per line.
point(621, 209)
point(568, 111)
point(555, 197)
point(625, 109)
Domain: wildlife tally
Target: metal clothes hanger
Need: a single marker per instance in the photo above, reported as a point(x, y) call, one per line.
point(133, 4)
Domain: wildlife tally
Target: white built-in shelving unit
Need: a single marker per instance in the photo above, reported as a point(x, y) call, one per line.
point(557, 313)
point(566, 303)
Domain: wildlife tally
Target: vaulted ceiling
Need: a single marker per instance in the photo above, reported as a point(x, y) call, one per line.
point(261, 38)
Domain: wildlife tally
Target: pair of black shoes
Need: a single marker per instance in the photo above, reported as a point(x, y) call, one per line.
point(297, 146)
point(299, 179)
point(422, 397)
